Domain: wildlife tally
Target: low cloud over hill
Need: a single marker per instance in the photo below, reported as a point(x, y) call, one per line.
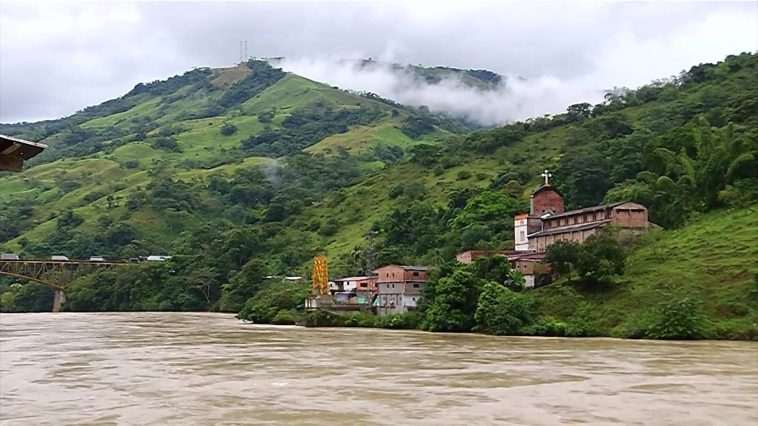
point(448, 91)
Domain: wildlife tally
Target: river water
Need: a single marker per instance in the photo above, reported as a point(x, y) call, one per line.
point(185, 368)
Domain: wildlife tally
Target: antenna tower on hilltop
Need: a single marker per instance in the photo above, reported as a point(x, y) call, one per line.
point(243, 51)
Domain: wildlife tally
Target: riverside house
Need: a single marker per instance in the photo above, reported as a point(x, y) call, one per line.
point(399, 288)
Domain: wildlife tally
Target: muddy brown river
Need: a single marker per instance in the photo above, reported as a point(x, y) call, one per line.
point(202, 369)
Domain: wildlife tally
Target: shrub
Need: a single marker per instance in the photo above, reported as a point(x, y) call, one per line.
point(415, 127)
point(407, 320)
point(330, 227)
point(274, 297)
point(166, 143)
point(502, 311)
point(547, 326)
point(360, 319)
point(454, 303)
point(130, 164)
point(583, 322)
point(396, 191)
point(94, 196)
point(463, 175)
point(228, 129)
point(677, 317)
point(266, 116)
point(601, 258)
point(322, 319)
point(283, 317)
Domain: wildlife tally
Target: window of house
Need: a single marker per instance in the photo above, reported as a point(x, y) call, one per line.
point(522, 237)
point(415, 274)
point(415, 285)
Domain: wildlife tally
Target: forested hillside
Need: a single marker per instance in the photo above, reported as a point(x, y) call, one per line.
point(248, 143)
point(323, 167)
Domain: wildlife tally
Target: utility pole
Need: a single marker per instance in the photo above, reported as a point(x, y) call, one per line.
point(370, 252)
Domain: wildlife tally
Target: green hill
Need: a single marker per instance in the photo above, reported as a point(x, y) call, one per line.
point(205, 122)
point(712, 261)
point(248, 171)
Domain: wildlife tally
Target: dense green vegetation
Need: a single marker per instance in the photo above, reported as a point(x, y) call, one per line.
point(248, 172)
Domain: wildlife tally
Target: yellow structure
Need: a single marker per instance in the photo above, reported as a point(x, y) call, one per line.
point(320, 275)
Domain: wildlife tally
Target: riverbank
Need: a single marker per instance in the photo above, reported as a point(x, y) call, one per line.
point(545, 327)
point(688, 283)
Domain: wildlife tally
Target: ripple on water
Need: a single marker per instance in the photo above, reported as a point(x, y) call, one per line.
point(175, 368)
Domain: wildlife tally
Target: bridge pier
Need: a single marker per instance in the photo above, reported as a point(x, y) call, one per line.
point(58, 300)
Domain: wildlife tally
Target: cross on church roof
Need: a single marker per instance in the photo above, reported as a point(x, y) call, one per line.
point(547, 175)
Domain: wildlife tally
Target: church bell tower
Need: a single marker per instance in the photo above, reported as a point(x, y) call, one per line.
point(545, 201)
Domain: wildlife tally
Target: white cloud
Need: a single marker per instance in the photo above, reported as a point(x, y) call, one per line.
point(513, 99)
point(58, 58)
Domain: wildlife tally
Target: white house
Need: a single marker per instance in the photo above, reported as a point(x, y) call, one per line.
point(348, 284)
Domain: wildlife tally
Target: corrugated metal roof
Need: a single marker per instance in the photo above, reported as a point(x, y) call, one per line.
point(10, 145)
point(352, 279)
point(14, 151)
point(416, 268)
point(586, 210)
point(411, 268)
point(566, 229)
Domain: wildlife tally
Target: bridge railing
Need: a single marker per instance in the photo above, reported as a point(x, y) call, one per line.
point(53, 273)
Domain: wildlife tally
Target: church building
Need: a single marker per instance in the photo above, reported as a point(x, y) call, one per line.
point(548, 222)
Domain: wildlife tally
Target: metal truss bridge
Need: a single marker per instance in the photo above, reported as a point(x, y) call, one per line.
point(56, 274)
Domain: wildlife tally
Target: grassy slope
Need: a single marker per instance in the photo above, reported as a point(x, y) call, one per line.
point(713, 258)
point(540, 150)
point(199, 140)
point(369, 200)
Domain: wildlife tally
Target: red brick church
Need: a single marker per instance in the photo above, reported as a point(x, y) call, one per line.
point(548, 222)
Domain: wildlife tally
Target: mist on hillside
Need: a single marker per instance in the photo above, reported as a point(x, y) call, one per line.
point(513, 99)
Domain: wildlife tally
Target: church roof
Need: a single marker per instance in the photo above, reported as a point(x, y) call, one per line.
point(545, 188)
point(587, 210)
point(570, 228)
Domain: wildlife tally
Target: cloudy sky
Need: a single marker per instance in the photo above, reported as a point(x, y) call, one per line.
point(58, 57)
